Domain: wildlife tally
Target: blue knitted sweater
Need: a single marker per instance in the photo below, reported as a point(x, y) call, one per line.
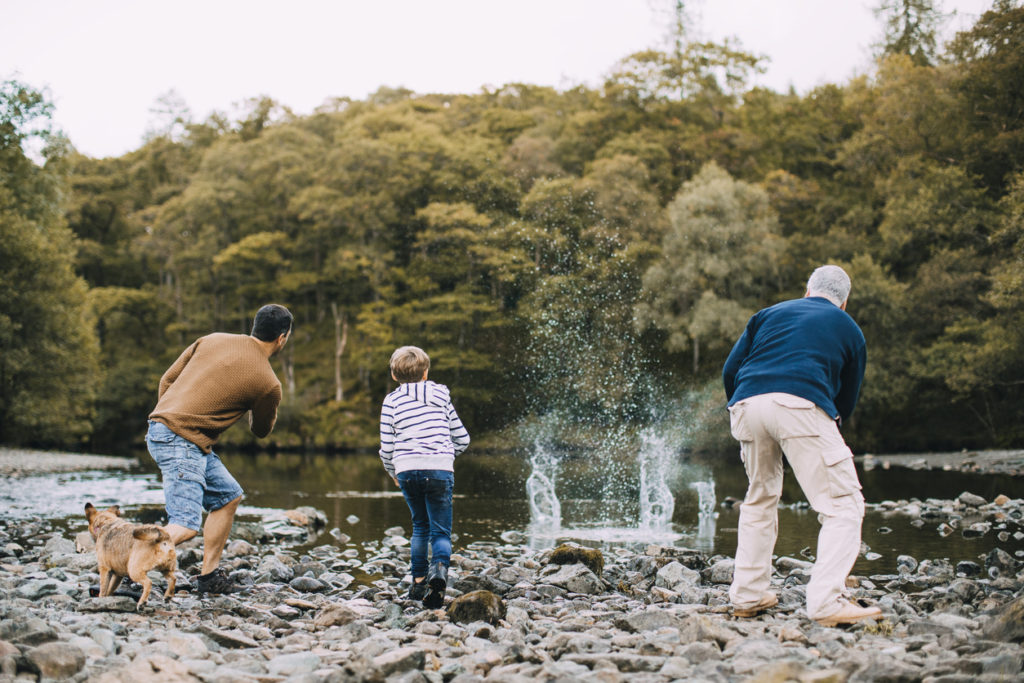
point(806, 347)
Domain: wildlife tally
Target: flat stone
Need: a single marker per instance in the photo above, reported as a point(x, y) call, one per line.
point(647, 620)
point(401, 659)
point(30, 631)
point(231, 638)
point(56, 660)
point(624, 662)
point(293, 664)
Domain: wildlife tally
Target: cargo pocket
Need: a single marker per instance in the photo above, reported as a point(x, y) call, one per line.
point(801, 417)
point(841, 473)
point(191, 466)
point(738, 423)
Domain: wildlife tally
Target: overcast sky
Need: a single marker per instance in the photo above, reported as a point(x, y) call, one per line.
point(104, 63)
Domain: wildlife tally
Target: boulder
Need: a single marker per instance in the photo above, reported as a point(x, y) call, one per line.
point(570, 553)
point(477, 606)
point(1008, 624)
point(575, 578)
point(56, 660)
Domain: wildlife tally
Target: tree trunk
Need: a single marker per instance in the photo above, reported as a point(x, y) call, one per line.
point(340, 339)
point(696, 355)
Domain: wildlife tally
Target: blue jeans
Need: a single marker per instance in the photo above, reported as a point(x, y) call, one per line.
point(429, 495)
point(193, 480)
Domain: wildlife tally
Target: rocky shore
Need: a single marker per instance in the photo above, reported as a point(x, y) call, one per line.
point(337, 612)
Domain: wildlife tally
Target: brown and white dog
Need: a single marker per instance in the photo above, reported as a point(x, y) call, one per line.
point(126, 549)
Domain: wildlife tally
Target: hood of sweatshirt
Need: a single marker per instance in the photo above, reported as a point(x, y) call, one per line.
point(427, 392)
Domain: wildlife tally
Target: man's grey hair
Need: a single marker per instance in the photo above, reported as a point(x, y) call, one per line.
point(831, 282)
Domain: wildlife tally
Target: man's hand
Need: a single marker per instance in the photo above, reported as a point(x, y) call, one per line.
point(395, 479)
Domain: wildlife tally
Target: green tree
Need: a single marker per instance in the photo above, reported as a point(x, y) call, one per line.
point(909, 28)
point(716, 266)
point(48, 367)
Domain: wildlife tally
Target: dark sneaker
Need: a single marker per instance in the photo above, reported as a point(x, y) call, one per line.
point(417, 591)
point(437, 580)
point(218, 582)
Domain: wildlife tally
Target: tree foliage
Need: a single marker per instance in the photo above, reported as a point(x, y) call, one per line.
point(586, 247)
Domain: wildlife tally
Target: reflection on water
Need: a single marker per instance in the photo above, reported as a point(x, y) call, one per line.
point(491, 499)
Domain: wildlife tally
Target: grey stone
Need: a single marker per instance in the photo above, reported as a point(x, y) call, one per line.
point(228, 638)
point(293, 664)
point(720, 572)
point(676, 577)
point(305, 584)
point(276, 570)
point(625, 662)
point(401, 659)
point(647, 620)
point(56, 660)
point(187, 646)
point(575, 578)
point(26, 631)
point(971, 499)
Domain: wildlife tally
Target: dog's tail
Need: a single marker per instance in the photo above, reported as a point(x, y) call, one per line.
point(151, 533)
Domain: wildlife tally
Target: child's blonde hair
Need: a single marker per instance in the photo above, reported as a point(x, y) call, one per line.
point(408, 363)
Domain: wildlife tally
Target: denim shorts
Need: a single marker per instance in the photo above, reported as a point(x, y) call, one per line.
point(193, 480)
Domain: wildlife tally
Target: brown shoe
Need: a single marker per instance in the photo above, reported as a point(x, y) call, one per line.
point(850, 614)
point(767, 600)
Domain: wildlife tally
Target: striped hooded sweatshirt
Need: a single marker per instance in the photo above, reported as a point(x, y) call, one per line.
point(419, 429)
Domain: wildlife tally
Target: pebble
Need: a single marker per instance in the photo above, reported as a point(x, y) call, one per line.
point(511, 613)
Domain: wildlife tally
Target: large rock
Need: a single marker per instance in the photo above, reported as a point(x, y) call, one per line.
point(276, 570)
point(575, 578)
point(399, 660)
point(721, 571)
point(476, 606)
point(570, 553)
point(648, 620)
point(30, 631)
point(232, 638)
point(675, 577)
point(1008, 625)
point(151, 669)
point(335, 614)
point(293, 664)
point(56, 660)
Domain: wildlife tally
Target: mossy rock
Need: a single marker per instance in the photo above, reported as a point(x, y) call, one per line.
point(476, 606)
point(591, 558)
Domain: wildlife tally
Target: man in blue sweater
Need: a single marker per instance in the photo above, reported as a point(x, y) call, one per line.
point(791, 379)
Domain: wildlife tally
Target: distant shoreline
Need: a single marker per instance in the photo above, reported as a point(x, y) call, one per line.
point(1009, 462)
point(25, 461)
point(16, 462)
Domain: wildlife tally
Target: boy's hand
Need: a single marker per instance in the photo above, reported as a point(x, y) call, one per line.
point(395, 479)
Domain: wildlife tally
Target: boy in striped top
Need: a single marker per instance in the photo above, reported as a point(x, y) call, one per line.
point(420, 435)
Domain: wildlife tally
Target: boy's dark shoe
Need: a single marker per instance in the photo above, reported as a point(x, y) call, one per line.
point(417, 591)
point(437, 580)
point(218, 582)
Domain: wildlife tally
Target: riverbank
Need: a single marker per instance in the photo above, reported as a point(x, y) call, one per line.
point(1009, 462)
point(338, 612)
point(20, 462)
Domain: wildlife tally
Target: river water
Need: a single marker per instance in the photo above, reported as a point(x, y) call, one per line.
point(491, 501)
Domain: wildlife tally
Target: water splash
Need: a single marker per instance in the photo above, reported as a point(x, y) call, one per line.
point(545, 508)
point(707, 517)
point(656, 500)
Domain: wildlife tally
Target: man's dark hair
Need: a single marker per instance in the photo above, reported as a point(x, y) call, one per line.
point(271, 322)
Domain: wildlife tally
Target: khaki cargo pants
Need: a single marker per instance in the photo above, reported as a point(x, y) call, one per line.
point(768, 426)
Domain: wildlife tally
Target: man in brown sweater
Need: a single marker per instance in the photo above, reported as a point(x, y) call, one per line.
point(211, 386)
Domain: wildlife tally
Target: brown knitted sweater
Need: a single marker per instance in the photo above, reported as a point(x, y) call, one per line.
point(212, 384)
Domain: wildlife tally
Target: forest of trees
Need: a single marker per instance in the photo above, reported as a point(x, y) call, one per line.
point(599, 248)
